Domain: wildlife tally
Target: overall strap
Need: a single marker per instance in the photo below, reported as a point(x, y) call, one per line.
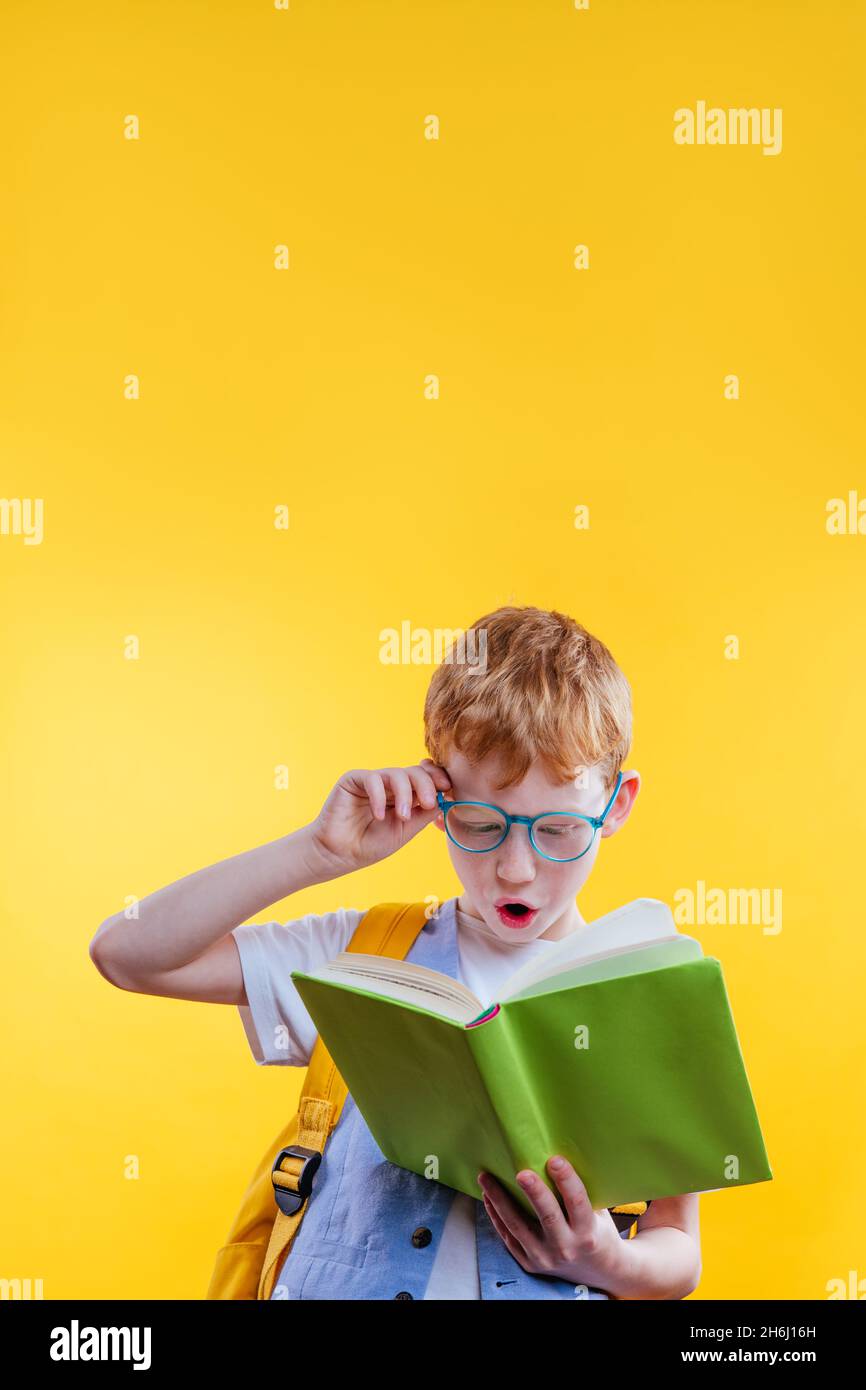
point(388, 929)
point(625, 1216)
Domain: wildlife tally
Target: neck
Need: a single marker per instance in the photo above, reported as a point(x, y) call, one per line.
point(570, 921)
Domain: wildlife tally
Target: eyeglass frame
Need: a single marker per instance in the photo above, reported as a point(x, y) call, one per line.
point(529, 821)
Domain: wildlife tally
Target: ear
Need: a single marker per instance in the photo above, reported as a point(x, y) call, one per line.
point(621, 808)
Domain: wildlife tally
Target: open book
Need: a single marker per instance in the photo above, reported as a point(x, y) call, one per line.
point(617, 1050)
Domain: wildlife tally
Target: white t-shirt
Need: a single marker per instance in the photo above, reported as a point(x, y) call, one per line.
point(275, 1015)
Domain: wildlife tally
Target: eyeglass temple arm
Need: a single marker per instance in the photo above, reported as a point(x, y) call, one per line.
point(599, 820)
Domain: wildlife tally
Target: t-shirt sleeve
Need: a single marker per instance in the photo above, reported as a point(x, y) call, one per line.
point(279, 1030)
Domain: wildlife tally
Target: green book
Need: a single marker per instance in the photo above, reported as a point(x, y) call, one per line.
point(617, 1050)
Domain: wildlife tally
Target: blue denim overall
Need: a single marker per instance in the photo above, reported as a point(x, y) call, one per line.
point(371, 1229)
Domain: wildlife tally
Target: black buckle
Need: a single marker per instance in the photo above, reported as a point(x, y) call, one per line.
point(287, 1201)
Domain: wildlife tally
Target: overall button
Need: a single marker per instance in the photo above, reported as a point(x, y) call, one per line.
point(403, 1294)
point(421, 1236)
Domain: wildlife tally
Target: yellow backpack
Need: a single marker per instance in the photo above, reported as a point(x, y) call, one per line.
point(247, 1265)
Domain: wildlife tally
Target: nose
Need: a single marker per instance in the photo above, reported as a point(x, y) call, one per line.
point(515, 861)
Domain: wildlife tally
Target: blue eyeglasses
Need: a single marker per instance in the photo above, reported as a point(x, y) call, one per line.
point(478, 827)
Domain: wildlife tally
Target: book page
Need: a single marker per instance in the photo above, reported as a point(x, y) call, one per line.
point(612, 966)
point(639, 923)
point(401, 979)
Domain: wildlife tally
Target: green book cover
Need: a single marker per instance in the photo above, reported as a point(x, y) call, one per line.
point(638, 1080)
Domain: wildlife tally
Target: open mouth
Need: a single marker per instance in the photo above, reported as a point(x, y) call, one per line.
point(516, 914)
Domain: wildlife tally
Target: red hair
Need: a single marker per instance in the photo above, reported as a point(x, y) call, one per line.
point(543, 687)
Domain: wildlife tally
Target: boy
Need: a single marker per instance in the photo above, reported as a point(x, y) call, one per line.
point(543, 726)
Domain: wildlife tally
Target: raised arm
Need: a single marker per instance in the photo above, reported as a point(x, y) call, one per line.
point(180, 944)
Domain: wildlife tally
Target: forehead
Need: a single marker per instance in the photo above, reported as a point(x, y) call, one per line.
point(536, 792)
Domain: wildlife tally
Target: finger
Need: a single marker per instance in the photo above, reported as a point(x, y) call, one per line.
point(401, 788)
point(578, 1207)
point(438, 773)
point(510, 1242)
point(551, 1218)
point(424, 787)
point(510, 1215)
point(375, 789)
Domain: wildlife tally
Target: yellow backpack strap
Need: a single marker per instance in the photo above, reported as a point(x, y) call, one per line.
point(389, 929)
point(625, 1216)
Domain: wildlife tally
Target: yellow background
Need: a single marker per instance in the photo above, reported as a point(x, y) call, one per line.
point(305, 387)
